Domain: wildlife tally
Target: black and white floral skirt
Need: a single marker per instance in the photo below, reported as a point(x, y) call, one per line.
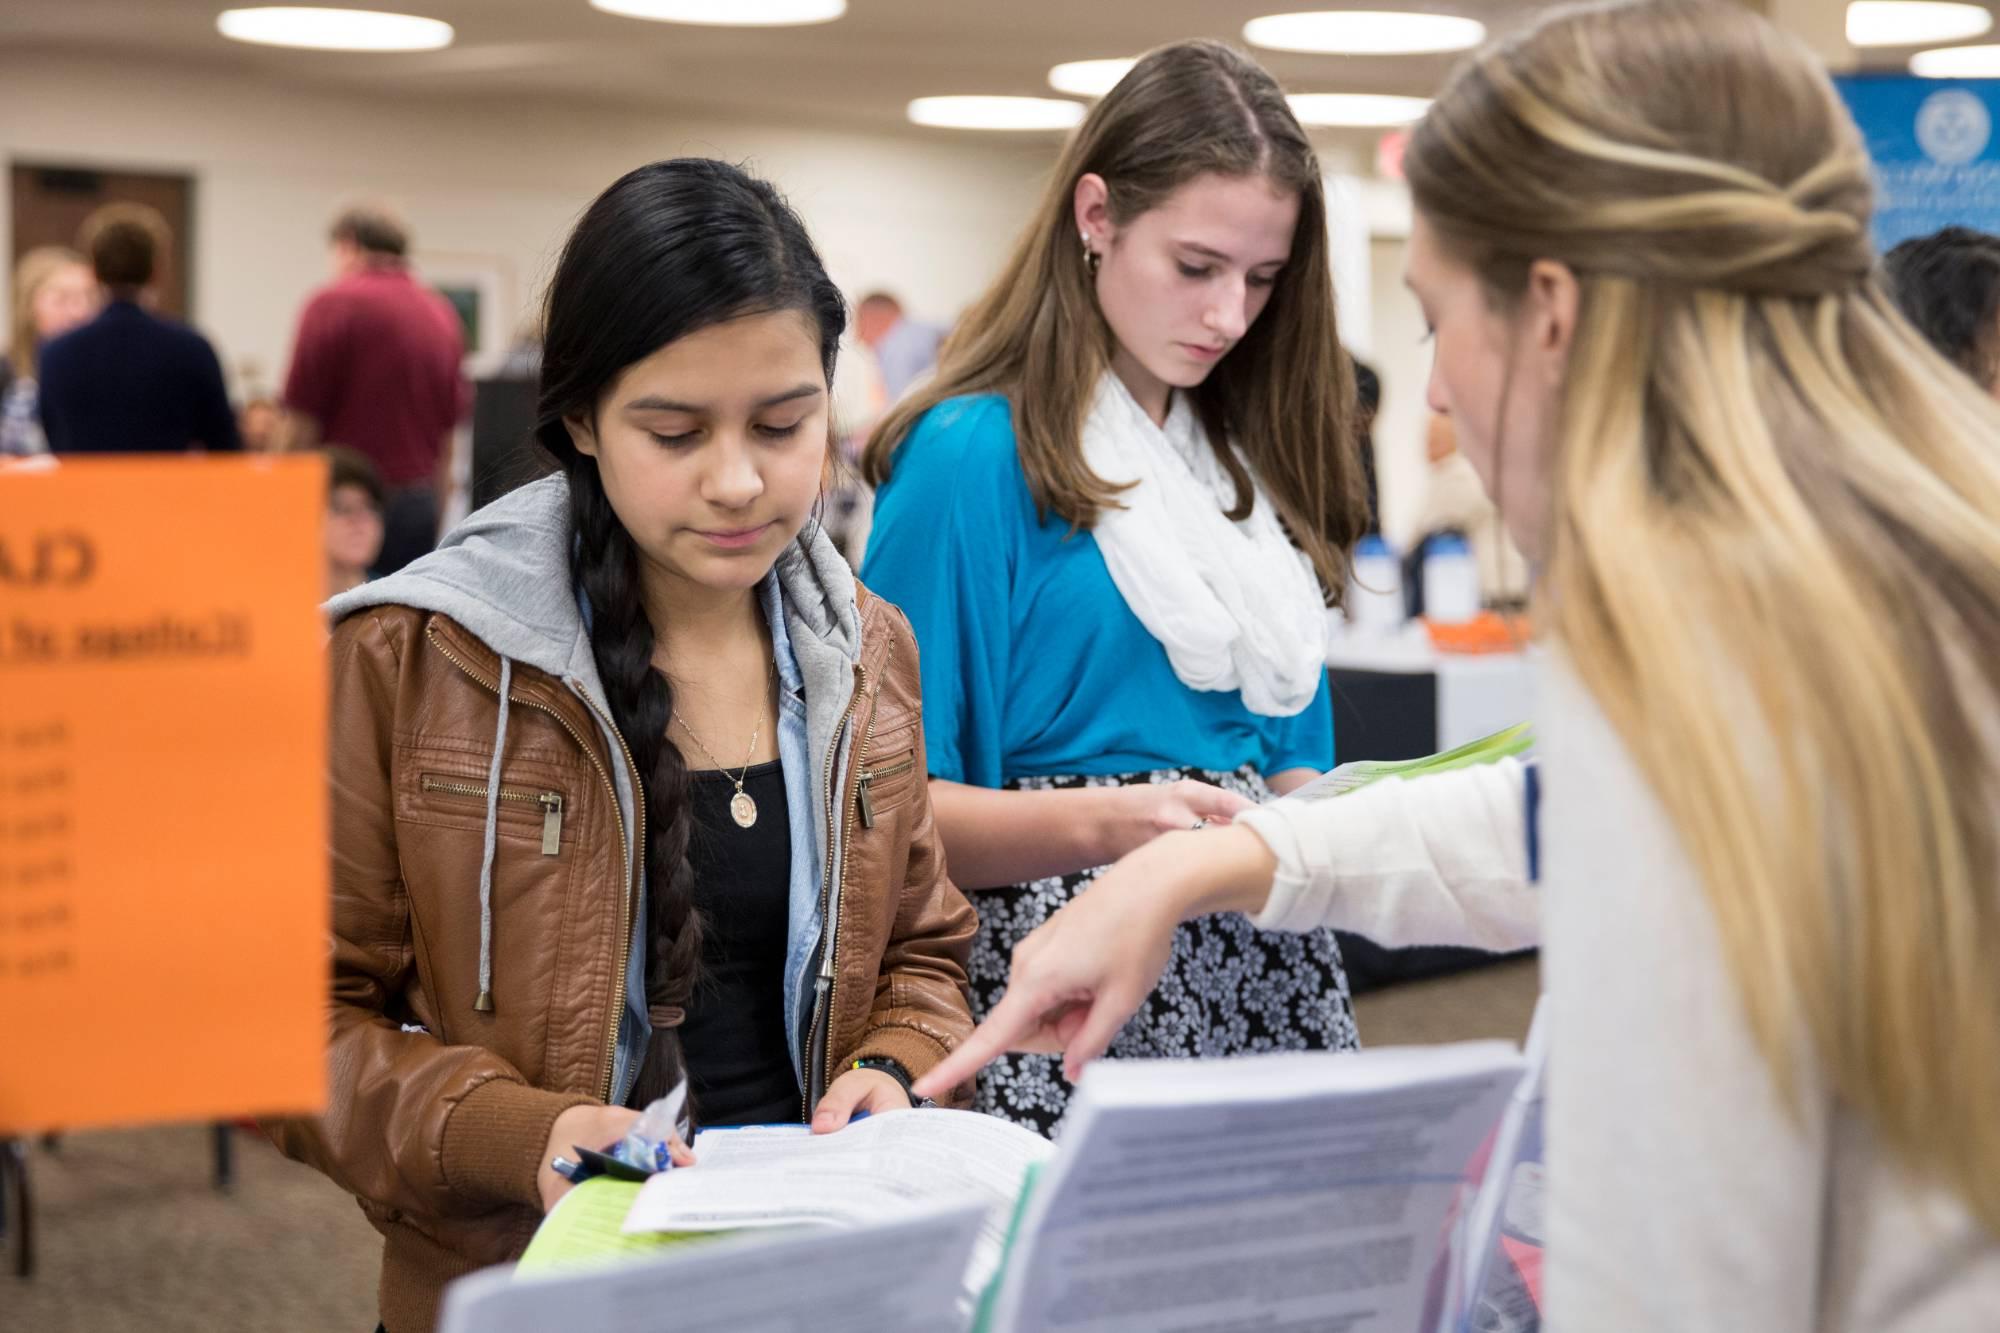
point(1229, 988)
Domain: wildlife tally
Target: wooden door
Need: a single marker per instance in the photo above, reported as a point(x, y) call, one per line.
point(50, 202)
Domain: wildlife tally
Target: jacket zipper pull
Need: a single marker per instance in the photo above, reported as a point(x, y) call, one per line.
point(552, 811)
point(867, 806)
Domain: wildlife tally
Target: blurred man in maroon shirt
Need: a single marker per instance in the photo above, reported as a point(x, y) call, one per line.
point(376, 368)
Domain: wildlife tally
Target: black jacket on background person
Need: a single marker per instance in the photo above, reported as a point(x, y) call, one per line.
point(132, 382)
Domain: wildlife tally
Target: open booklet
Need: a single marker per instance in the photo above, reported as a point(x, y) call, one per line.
point(1515, 740)
point(1268, 1192)
point(1394, 1190)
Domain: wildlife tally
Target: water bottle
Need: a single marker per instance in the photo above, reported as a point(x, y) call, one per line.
point(1451, 580)
point(1376, 596)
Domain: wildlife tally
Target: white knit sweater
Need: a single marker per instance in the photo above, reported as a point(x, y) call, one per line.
point(1682, 1196)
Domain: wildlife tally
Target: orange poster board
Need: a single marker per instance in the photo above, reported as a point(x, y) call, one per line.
point(163, 821)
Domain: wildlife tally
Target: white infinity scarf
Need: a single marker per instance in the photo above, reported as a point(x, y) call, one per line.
point(1236, 605)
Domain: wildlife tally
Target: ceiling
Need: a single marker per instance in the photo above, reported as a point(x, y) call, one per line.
point(859, 71)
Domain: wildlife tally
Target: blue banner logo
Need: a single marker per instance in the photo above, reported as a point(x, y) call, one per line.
point(1932, 144)
point(1953, 127)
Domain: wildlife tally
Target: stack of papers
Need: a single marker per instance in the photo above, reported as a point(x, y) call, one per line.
point(877, 1169)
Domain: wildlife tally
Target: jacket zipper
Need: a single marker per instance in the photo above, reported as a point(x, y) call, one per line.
point(625, 929)
point(611, 790)
point(550, 801)
point(869, 775)
point(823, 984)
point(830, 965)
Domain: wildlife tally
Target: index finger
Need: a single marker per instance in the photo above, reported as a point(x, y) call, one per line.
point(1013, 1020)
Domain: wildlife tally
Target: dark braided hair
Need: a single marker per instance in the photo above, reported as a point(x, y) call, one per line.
point(669, 249)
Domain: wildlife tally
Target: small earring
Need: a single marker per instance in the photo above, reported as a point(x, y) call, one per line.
point(1090, 257)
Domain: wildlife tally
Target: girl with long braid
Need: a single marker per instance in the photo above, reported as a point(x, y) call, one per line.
point(628, 775)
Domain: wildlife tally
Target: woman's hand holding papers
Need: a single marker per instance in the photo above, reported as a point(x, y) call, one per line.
point(1076, 980)
point(857, 1090)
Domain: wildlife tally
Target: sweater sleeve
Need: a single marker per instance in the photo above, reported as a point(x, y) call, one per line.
point(1435, 860)
point(1682, 1194)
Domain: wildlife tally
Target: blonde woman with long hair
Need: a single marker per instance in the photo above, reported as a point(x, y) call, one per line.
point(1764, 513)
point(1113, 517)
point(54, 291)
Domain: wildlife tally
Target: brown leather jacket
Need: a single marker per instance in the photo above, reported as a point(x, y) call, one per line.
point(438, 1111)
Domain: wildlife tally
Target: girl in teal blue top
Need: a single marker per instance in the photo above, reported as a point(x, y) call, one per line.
point(1112, 518)
point(1033, 664)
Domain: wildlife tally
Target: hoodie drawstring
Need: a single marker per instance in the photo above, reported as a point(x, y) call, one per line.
point(484, 1004)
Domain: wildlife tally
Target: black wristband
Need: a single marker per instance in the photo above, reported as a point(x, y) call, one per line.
point(884, 1065)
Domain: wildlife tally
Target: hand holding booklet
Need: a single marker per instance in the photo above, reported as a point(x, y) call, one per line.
point(896, 1222)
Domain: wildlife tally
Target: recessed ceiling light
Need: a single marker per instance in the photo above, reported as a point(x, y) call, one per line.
point(1361, 109)
point(1914, 22)
point(996, 113)
point(1089, 78)
point(333, 29)
point(1957, 62)
point(728, 13)
point(1359, 32)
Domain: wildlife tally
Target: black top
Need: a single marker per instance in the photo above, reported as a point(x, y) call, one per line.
point(735, 1038)
point(131, 382)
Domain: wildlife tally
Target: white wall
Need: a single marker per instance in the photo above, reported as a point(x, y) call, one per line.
point(494, 184)
point(1403, 359)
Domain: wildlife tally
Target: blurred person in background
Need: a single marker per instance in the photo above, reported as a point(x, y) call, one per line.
point(376, 366)
point(905, 349)
point(54, 292)
point(131, 381)
point(354, 500)
point(1948, 285)
point(262, 426)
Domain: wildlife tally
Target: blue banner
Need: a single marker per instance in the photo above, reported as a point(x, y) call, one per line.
point(1935, 148)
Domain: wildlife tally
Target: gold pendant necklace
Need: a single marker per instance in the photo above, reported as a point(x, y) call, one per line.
point(742, 808)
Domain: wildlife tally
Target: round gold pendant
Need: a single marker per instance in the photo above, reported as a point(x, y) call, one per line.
point(743, 810)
